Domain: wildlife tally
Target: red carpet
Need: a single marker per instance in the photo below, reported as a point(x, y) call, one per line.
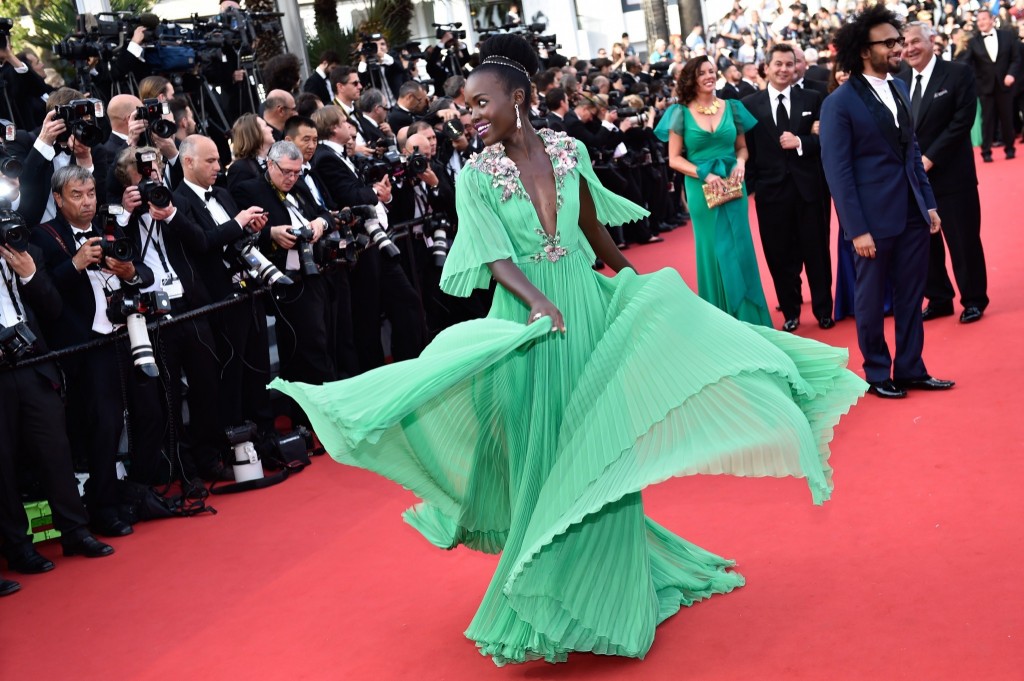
point(910, 572)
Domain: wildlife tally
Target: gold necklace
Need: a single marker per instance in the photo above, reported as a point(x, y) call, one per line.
point(708, 110)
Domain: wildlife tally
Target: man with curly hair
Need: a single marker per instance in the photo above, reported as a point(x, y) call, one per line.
point(884, 200)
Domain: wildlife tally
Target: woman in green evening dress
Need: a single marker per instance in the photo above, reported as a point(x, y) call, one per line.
point(706, 151)
point(532, 432)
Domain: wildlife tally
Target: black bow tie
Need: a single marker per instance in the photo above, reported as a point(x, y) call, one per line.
point(207, 195)
point(988, 35)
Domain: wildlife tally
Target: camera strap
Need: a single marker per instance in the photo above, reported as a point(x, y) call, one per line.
point(9, 283)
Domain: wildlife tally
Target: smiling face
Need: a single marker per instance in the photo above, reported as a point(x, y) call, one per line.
point(706, 78)
point(493, 108)
point(780, 69)
point(918, 49)
point(878, 58)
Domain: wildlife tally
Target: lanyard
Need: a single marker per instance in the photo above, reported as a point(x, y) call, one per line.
point(155, 229)
point(14, 297)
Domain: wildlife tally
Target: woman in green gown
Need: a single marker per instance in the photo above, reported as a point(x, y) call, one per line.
point(532, 432)
point(706, 144)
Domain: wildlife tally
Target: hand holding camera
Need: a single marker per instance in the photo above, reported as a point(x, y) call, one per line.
point(383, 189)
point(122, 269)
point(90, 253)
point(20, 262)
point(131, 198)
point(282, 236)
point(136, 127)
point(53, 128)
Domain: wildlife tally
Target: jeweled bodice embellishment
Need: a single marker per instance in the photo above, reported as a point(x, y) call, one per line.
point(552, 249)
point(504, 173)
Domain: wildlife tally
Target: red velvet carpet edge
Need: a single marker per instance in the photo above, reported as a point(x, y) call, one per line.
point(912, 571)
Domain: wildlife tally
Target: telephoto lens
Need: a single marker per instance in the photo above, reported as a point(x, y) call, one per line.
point(142, 348)
point(261, 268)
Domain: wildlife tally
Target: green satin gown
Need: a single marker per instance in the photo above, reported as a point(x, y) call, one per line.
point(537, 444)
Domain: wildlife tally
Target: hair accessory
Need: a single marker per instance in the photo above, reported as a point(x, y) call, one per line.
point(505, 61)
point(519, 121)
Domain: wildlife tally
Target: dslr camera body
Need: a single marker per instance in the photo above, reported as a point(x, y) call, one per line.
point(15, 343)
point(79, 116)
point(153, 111)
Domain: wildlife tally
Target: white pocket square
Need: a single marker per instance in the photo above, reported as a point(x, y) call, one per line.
point(940, 93)
point(807, 113)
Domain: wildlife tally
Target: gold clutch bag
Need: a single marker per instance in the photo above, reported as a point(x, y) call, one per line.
point(733, 190)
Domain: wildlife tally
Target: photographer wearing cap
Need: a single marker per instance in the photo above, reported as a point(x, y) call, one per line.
point(87, 278)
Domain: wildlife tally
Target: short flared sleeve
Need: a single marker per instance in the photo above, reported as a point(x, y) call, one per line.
point(671, 121)
point(481, 238)
point(743, 119)
point(612, 209)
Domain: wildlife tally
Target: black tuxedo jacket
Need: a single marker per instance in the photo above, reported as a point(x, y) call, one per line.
point(321, 186)
point(318, 86)
point(259, 192)
point(42, 303)
point(204, 240)
point(74, 326)
point(104, 158)
point(769, 165)
point(556, 122)
point(242, 170)
point(818, 73)
point(943, 125)
point(594, 140)
point(344, 186)
point(370, 130)
point(814, 86)
point(194, 287)
point(990, 74)
point(441, 198)
point(399, 118)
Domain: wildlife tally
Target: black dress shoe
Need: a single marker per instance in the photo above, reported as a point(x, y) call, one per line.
point(113, 528)
point(987, 158)
point(826, 322)
point(934, 312)
point(791, 325)
point(88, 546)
point(30, 562)
point(970, 314)
point(1011, 154)
point(887, 389)
point(926, 383)
point(7, 587)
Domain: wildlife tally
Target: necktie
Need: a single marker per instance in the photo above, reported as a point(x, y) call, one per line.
point(781, 116)
point(915, 99)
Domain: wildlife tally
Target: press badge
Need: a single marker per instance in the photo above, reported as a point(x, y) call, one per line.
point(172, 287)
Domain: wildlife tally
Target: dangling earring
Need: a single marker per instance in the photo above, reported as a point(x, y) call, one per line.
point(519, 121)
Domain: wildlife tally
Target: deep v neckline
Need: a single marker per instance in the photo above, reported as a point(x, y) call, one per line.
point(554, 184)
point(701, 127)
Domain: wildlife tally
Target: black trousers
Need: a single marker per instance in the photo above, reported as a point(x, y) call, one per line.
point(339, 290)
point(795, 237)
point(380, 288)
point(33, 432)
point(185, 349)
point(243, 347)
point(304, 315)
point(97, 390)
point(961, 231)
point(997, 109)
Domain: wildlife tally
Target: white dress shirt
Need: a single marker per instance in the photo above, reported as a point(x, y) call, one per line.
point(991, 44)
point(925, 74)
point(102, 283)
point(217, 211)
point(787, 102)
point(9, 307)
point(164, 277)
point(881, 88)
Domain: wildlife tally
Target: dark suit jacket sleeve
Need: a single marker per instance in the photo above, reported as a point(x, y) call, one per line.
point(943, 147)
point(1016, 59)
point(35, 193)
point(750, 101)
point(40, 293)
point(62, 271)
point(346, 189)
point(811, 143)
point(837, 158)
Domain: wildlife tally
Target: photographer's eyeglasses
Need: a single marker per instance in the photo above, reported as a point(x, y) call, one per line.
point(287, 173)
point(890, 42)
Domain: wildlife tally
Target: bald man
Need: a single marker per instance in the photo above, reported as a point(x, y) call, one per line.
point(277, 109)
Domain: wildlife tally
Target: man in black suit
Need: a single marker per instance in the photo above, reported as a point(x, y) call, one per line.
point(372, 118)
point(558, 106)
point(303, 313)
point(125, 131)
point(735, 87)
point(319, 82)
point(213, 228)
point(943, 104)
point(800, 81)
point(995, 57)
point(412, 102)
point(278, 108)
point(32, 421)
point(784, 176)
point(86, 280)
point(815, 71)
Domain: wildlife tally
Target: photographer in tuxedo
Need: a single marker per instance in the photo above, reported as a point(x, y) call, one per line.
point(211, 231)
point(943, 105)
point(182, 350)
point(296, 223)
point(995, 57)
point(784, 176)
point(379, 285)
point(32, 425)
point(99, 385)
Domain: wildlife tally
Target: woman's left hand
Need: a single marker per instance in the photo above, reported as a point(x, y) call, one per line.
point(738, 171)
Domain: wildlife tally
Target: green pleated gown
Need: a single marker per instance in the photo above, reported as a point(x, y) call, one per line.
point(536, 444)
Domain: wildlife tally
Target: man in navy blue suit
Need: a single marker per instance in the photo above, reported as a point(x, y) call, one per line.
point(883, 198)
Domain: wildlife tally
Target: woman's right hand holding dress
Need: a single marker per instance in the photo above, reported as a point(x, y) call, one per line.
point(545, 308)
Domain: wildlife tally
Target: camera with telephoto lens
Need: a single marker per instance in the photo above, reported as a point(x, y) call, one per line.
point(385, 161)
point(338, 246)
point(453, 129)
point(304, 245)
point(152, 191)
point(452, 28)
point(130, 307)
point(368, 223)
point(79, 116)
point(15, 342)
point(369, 48)
point(638, 116)
point(153, 110)
point(14, 233)
point(256, 264)
point(10, 166)
point(435, 236)
point(114, 246)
